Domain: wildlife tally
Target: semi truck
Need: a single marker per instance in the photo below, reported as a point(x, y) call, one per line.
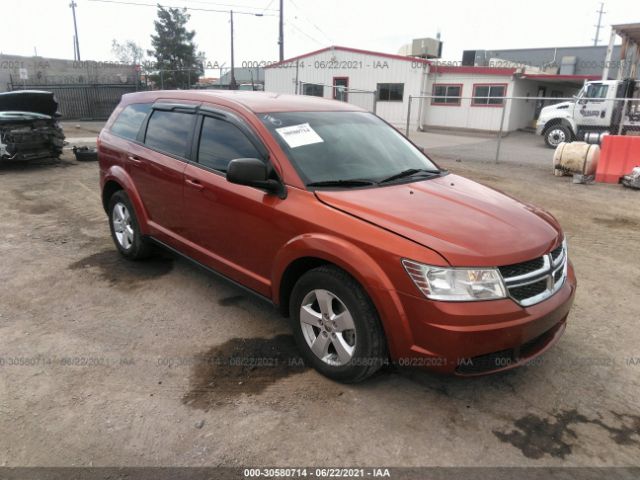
point(611, 106)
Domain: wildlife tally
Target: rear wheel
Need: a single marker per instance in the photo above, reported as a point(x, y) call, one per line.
point(125, 229)
point(336, 325)
point(556, 134)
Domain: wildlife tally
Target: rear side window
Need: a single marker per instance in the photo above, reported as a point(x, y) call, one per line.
point(221, 142)
point(169, 132)
point(130, 120)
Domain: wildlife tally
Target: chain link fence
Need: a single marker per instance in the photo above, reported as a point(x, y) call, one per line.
point(366, 99)
point(519, 129)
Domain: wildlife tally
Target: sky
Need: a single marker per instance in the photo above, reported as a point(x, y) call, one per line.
point(46, 26)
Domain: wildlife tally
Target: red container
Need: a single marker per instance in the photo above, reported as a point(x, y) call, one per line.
point(618, 156)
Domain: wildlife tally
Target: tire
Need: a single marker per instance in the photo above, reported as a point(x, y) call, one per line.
point(345, 354)
point(125, 229)
point(556, 134)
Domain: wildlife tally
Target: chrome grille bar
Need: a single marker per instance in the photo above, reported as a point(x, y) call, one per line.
point(546, 273)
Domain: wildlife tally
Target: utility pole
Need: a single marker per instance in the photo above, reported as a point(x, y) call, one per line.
point(281, 36)
point(232, 82)
point(73, 6)
point(599, 25)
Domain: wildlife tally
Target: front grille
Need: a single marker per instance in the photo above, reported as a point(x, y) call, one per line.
point(529, 290)
point(523, 268)
point(486, 363)
point(504, 358)
point(535, 280)
point(558, 275)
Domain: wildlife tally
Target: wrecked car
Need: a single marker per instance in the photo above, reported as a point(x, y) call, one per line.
point(29, 127)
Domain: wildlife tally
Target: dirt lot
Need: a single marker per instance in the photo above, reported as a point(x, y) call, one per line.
point(105, 362)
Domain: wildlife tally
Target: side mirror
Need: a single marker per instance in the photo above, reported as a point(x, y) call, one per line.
point(253, 173)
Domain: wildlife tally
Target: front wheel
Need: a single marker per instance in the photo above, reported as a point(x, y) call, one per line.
point(557, 134)
point(336, 325)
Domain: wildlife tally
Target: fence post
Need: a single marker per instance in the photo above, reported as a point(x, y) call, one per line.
point(624, 109)
point(375, 102)
point(504, 108)
point(408, 117)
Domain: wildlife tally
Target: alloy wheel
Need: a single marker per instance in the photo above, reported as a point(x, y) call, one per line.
point(122, 225)
point(328, 327)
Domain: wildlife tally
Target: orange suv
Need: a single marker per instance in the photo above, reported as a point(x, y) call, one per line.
point(329, 213)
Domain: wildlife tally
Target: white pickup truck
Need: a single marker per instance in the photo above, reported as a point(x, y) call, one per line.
point(597, 108)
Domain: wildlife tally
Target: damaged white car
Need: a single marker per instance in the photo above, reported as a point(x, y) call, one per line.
point(29, 127)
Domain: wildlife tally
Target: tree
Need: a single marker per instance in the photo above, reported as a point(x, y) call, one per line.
point(178, 64)
point(128, 52)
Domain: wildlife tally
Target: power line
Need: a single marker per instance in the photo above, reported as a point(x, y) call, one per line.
point(310, 22)
point(268, 5)
point(155, 5)
point(232, 5)
point(290, 24)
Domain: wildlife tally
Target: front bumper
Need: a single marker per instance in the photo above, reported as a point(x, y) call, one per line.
point(540, 127)
point(475, 338)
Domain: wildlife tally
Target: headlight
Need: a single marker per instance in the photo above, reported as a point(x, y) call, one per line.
point(456, 284)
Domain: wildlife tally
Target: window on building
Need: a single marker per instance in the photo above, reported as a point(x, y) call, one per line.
point(390, 92)
point(130, 120)
point(169, 132)
point(489, 94)
point(221, 142)
point(448, 94)
point(313, 90)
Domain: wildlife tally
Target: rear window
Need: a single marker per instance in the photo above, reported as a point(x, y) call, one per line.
point(169, 132)
point(130, 120)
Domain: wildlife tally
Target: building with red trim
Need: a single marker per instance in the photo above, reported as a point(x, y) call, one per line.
point(464, 97)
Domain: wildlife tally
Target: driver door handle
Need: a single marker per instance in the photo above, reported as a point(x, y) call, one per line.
point(192, 182)
point(134, 159)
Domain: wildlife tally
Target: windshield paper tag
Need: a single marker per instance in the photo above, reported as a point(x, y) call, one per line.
point(299, 135)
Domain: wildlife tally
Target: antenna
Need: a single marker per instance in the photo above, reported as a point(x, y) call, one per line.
point(599, 25)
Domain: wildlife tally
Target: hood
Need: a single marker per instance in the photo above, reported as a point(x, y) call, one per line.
point(556, 106)
point(467, 223)
point(34, 101)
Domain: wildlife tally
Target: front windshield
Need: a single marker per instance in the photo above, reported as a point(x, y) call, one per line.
point(344, 146)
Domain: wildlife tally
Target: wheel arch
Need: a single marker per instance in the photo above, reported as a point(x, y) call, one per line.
point(310, 251)
point(116, 179)
point(562, 122)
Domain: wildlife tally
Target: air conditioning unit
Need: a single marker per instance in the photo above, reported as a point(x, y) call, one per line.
point(426, 48)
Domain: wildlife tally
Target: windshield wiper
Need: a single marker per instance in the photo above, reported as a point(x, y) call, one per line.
point(408, 173)
point(341, 183)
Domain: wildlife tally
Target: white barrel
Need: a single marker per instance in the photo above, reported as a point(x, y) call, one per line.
point(576, 157)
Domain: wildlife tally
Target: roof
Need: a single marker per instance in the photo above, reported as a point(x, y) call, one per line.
point(568, 78)
point(503, 72)
point(628, 30)
point(257, 102)
point(352, 50)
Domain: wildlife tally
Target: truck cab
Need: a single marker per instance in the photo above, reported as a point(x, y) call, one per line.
point(596, 108)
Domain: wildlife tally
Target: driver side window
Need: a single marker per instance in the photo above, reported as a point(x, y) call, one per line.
point(596, 91)
point(221, 142)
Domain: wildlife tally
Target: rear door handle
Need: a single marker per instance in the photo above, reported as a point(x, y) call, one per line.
point(135, 159)
point(194, 183)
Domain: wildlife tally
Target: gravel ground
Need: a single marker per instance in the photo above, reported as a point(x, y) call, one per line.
point(105, 362)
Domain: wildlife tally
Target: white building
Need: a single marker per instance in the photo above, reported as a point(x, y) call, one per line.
point(385, 82)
